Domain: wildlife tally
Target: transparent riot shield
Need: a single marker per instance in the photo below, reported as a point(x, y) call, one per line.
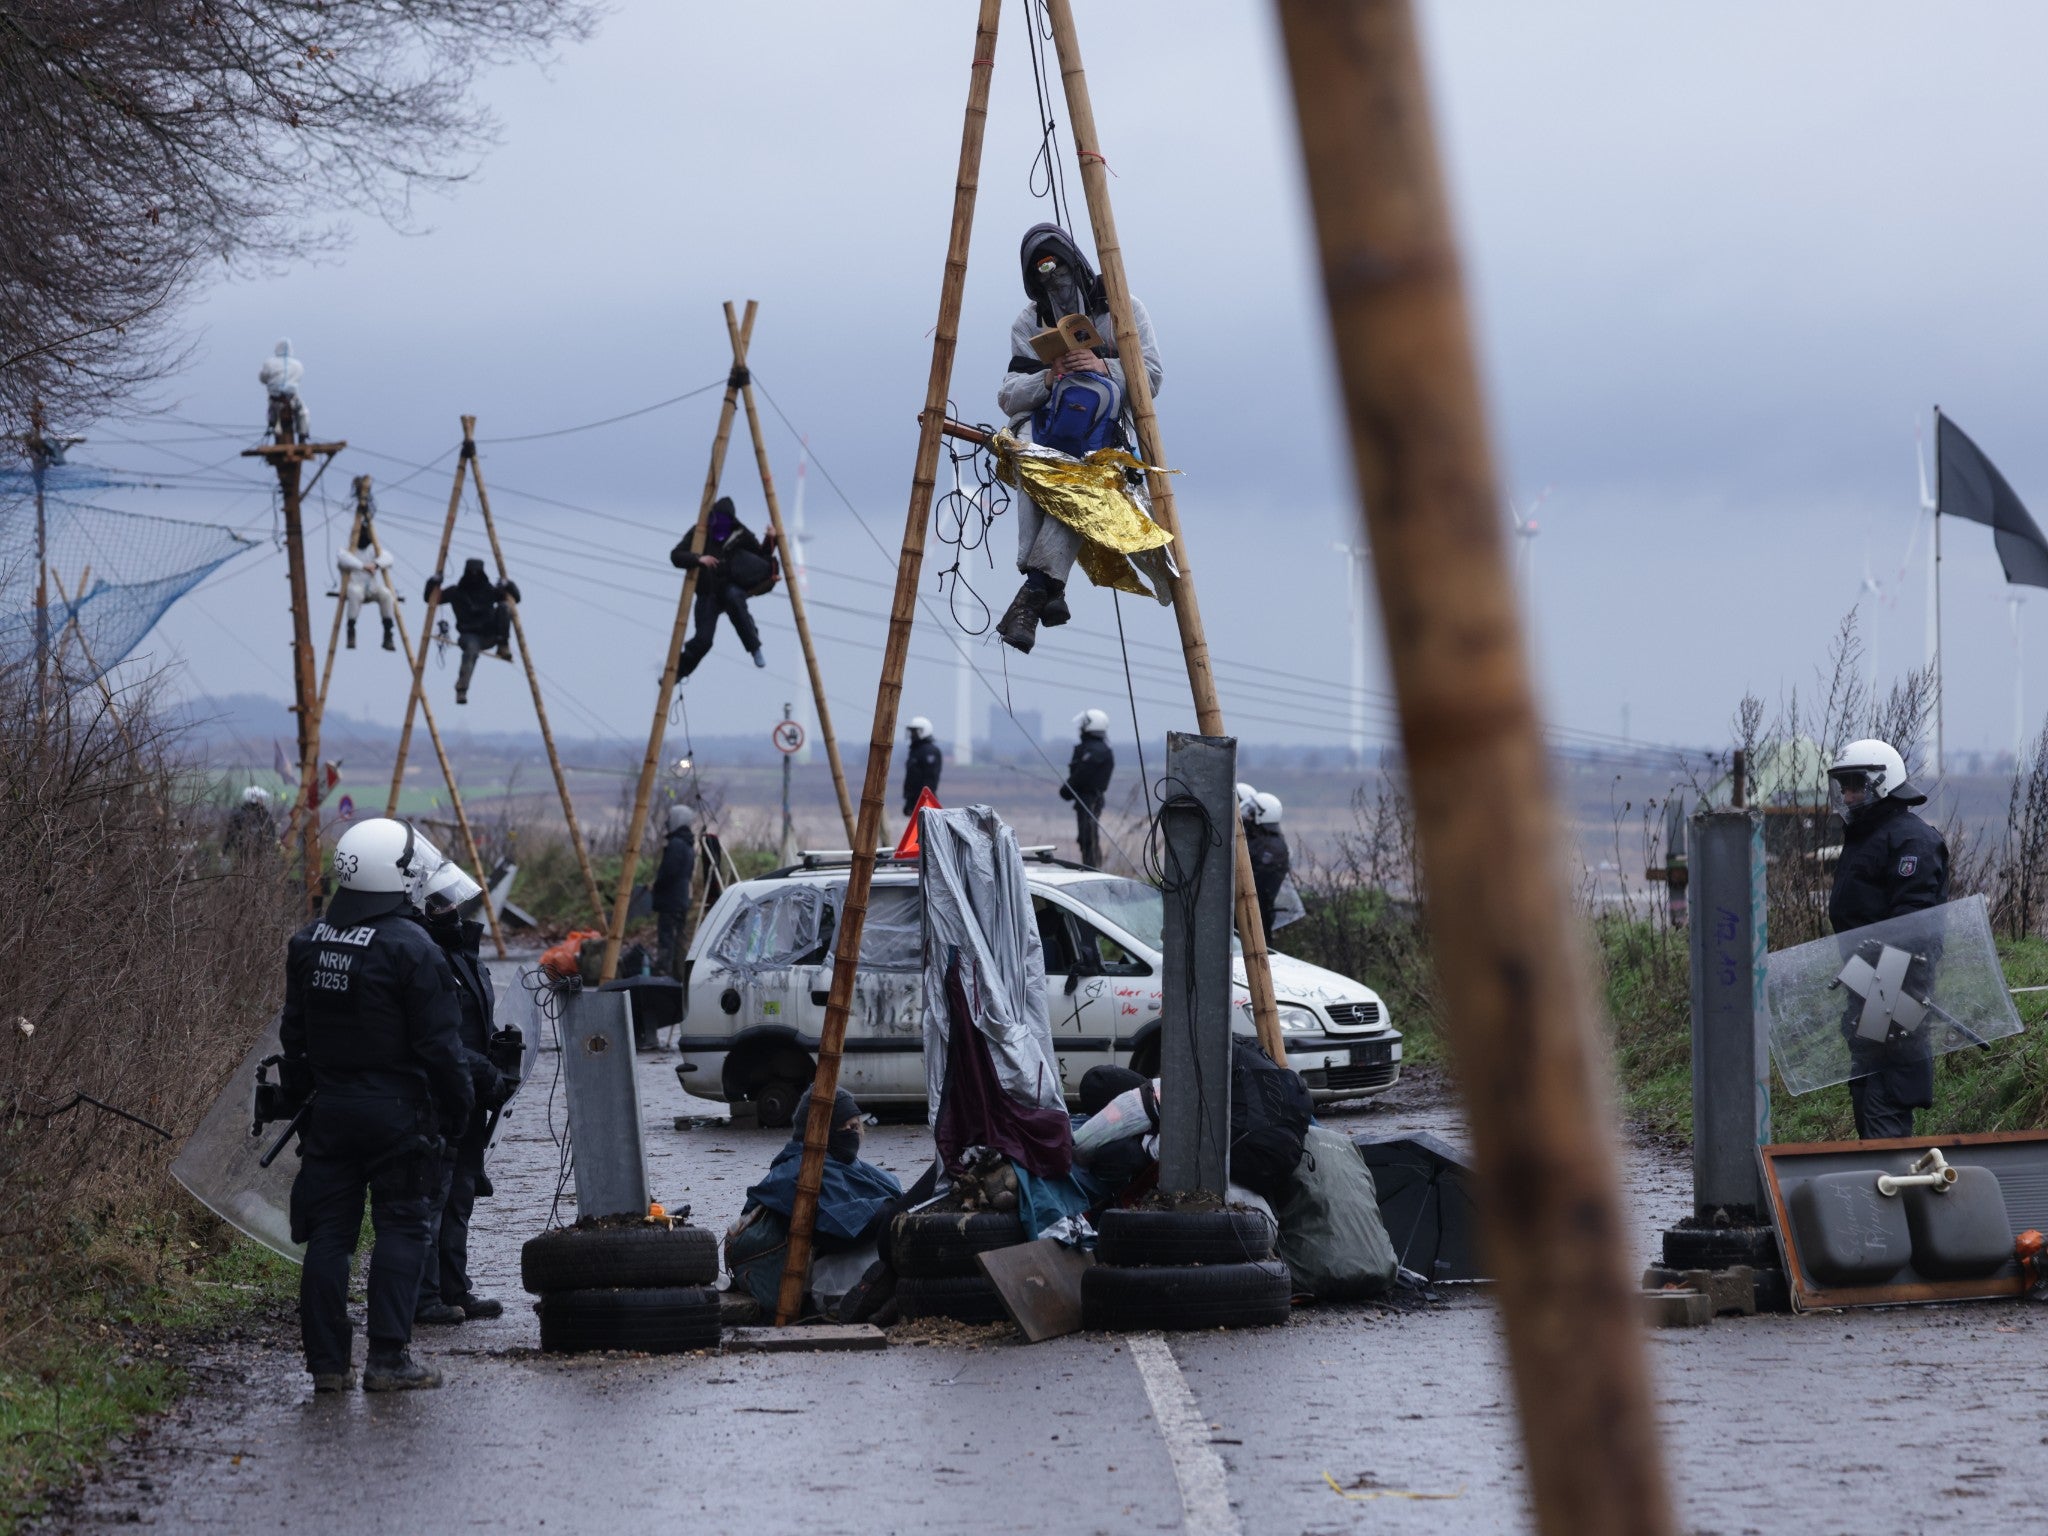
point(1929, 981)
point(219, 1161)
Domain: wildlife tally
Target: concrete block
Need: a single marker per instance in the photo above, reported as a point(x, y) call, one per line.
point(827, 1336)
point(1677, 1309)
point(1732, 1290)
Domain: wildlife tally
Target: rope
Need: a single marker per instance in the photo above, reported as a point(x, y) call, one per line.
point(1046, 178)
point(591, 426)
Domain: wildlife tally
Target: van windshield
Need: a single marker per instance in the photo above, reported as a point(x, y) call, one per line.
point(1137, 908)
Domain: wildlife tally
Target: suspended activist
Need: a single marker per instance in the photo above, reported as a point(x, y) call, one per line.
point(1089, 771)
point(482, 621)
point(732, 567)
point(670, 894)
point(366, 577)
point(279, 376)
point(922, 764)
point(1074, 402)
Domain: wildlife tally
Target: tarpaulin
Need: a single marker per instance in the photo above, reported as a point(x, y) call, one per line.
point(1096, 497)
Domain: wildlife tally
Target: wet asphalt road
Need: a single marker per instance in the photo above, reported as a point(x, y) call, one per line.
point(1868, 1423)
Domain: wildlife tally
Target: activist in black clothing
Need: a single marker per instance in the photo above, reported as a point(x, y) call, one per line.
point(1271, 861)
point(732, 567)
point(671, 891)
point(446, 1296)
point(1088, 774)
point(482, 621)
point(922, 764)
point(371, 1026)
point(1892, 863)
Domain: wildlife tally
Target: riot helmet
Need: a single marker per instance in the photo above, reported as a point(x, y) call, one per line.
point(1865, 773)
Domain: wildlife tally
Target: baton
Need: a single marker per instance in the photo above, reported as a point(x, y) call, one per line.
point(291, 1129)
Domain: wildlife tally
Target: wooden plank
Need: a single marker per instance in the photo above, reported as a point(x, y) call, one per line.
point(835, 1337)
point(1040, 1283)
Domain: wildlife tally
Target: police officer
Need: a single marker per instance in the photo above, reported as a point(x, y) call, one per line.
point(1088, 774)
point(1267, 845)
point(1892, 863)
point(446, 1295)
point(922, 765)
point(670, 894)
point(371, 1029)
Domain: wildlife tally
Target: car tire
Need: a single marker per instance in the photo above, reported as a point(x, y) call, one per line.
point(609, 1258)
point(670, 1320)
point(964, 1298)
point(1139, 1239)
point(1199, 1296)
point(936, 1244)
point(1720, 1247)
point(775, 1102)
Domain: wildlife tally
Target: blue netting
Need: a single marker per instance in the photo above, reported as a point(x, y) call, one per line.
point(139, 566)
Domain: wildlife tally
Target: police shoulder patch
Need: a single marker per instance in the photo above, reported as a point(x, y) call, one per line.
point(1909, 863)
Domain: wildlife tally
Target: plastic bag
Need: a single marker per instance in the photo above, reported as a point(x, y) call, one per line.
point(560, 959)
point(1125, 1115)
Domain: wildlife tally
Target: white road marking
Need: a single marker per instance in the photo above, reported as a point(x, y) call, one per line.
point(1197, 1468)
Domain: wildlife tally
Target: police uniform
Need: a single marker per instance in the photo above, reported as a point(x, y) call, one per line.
point(1892, 863)
point(1271, 861)
point(370, 1021)
point(921, 768)
point(446, 1274)
point(1088, 775)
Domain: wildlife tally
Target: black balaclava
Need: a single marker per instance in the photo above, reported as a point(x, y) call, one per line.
point(445, 924)
point(474, 576)
point(844, 1145)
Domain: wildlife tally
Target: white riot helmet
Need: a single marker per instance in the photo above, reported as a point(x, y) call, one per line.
point(448, 886)
point(255, 794)
point(1866, 772)
point(1266, 809)
point(681, 816)
point(1247, 801)
point(919, 728)
point(1092, 722)
point(380, 865)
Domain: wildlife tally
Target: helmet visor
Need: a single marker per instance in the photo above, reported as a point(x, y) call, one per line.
point(1853, 790)
point(450, 887)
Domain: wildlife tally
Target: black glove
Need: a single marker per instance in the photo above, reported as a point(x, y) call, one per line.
point(295, 1082)
point(509, 588)
point(1067, 792)
point(433, 586)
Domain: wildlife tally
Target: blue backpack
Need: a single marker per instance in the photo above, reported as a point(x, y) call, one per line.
point(1083, 413)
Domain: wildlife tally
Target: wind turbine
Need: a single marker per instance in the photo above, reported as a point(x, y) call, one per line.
point(2019, 678)
point(1930, 509)
point(1358, 555)
point(1527, 530)
point(800, 573)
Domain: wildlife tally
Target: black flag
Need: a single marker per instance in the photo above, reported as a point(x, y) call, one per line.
point(1972, 487)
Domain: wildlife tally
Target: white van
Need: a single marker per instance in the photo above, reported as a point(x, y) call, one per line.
point(759, 970)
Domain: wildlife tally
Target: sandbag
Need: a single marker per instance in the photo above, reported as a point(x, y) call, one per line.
point(1331, 1236)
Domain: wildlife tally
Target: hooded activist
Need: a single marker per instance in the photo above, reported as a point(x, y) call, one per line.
point(1089, 771)
point(279, 376)
point(372, 1047)
point(1270, 857)
point(1892, 863)
point(670, 893)
point(856, 1202)
point(732, 567)
point(1060, 283)
point(922, 764)
point(446, 1295)
point(366, 577)
point(482, 621)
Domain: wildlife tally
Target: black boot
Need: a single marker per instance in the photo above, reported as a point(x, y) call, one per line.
point(351, 634)
point(475, 1307)
point(389, 643)
point(397, 1372)
point(334, 1381)
point(1018, 626)
point(1056, 610)
point(438, 1314)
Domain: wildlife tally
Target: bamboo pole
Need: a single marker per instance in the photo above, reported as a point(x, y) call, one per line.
point(790, 583)
point(1515, 1002)
point(853, 911)
point(540, 709)
point(1187, 612)
point(419, 665)
point(643, 793)
point(73, 627)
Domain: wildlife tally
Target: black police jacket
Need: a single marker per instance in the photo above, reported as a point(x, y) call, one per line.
point(1270, 863)
point(671, 891)
point(743, 561)
point(370, 1011)
point(1892, 863)
point(921, 769)
point(477, 1002)
point(1089, 771)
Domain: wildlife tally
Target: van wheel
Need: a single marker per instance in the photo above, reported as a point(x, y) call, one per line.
point(775, 1102)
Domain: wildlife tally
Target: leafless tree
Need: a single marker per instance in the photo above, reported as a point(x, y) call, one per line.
point(152, 143)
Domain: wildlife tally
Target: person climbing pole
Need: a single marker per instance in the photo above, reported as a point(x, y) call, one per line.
point(1088, 774)
point(366, 575)
point(732, 567)
point(922, 765)
point(1075, 403)
point(483, 622)
point(280, 375)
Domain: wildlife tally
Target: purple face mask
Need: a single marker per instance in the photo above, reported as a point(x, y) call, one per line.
point(722, 521)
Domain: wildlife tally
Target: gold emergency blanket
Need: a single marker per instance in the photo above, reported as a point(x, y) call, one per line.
point(1092, 497)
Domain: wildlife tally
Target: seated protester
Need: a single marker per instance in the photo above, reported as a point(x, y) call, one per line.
point(482, 621)
point(1126, 1160)
point(732, 567)
point(856, 1202)
point(1058, 281)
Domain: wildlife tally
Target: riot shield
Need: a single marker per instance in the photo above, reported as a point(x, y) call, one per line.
point(219, 1162)
point(1926, 982)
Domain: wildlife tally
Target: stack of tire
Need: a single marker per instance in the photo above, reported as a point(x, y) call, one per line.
point(937, 1274)
point(1167, 1269)
point(643, 1288)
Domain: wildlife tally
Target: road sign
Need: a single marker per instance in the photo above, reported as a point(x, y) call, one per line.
point(346, 810)
point(788, 736)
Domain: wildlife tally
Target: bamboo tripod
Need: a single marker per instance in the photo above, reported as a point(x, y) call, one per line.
point(466, 466)
point(739, 387)
point(357, 524)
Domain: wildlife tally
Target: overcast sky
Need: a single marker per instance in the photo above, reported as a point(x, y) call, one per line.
point(1724, 258)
